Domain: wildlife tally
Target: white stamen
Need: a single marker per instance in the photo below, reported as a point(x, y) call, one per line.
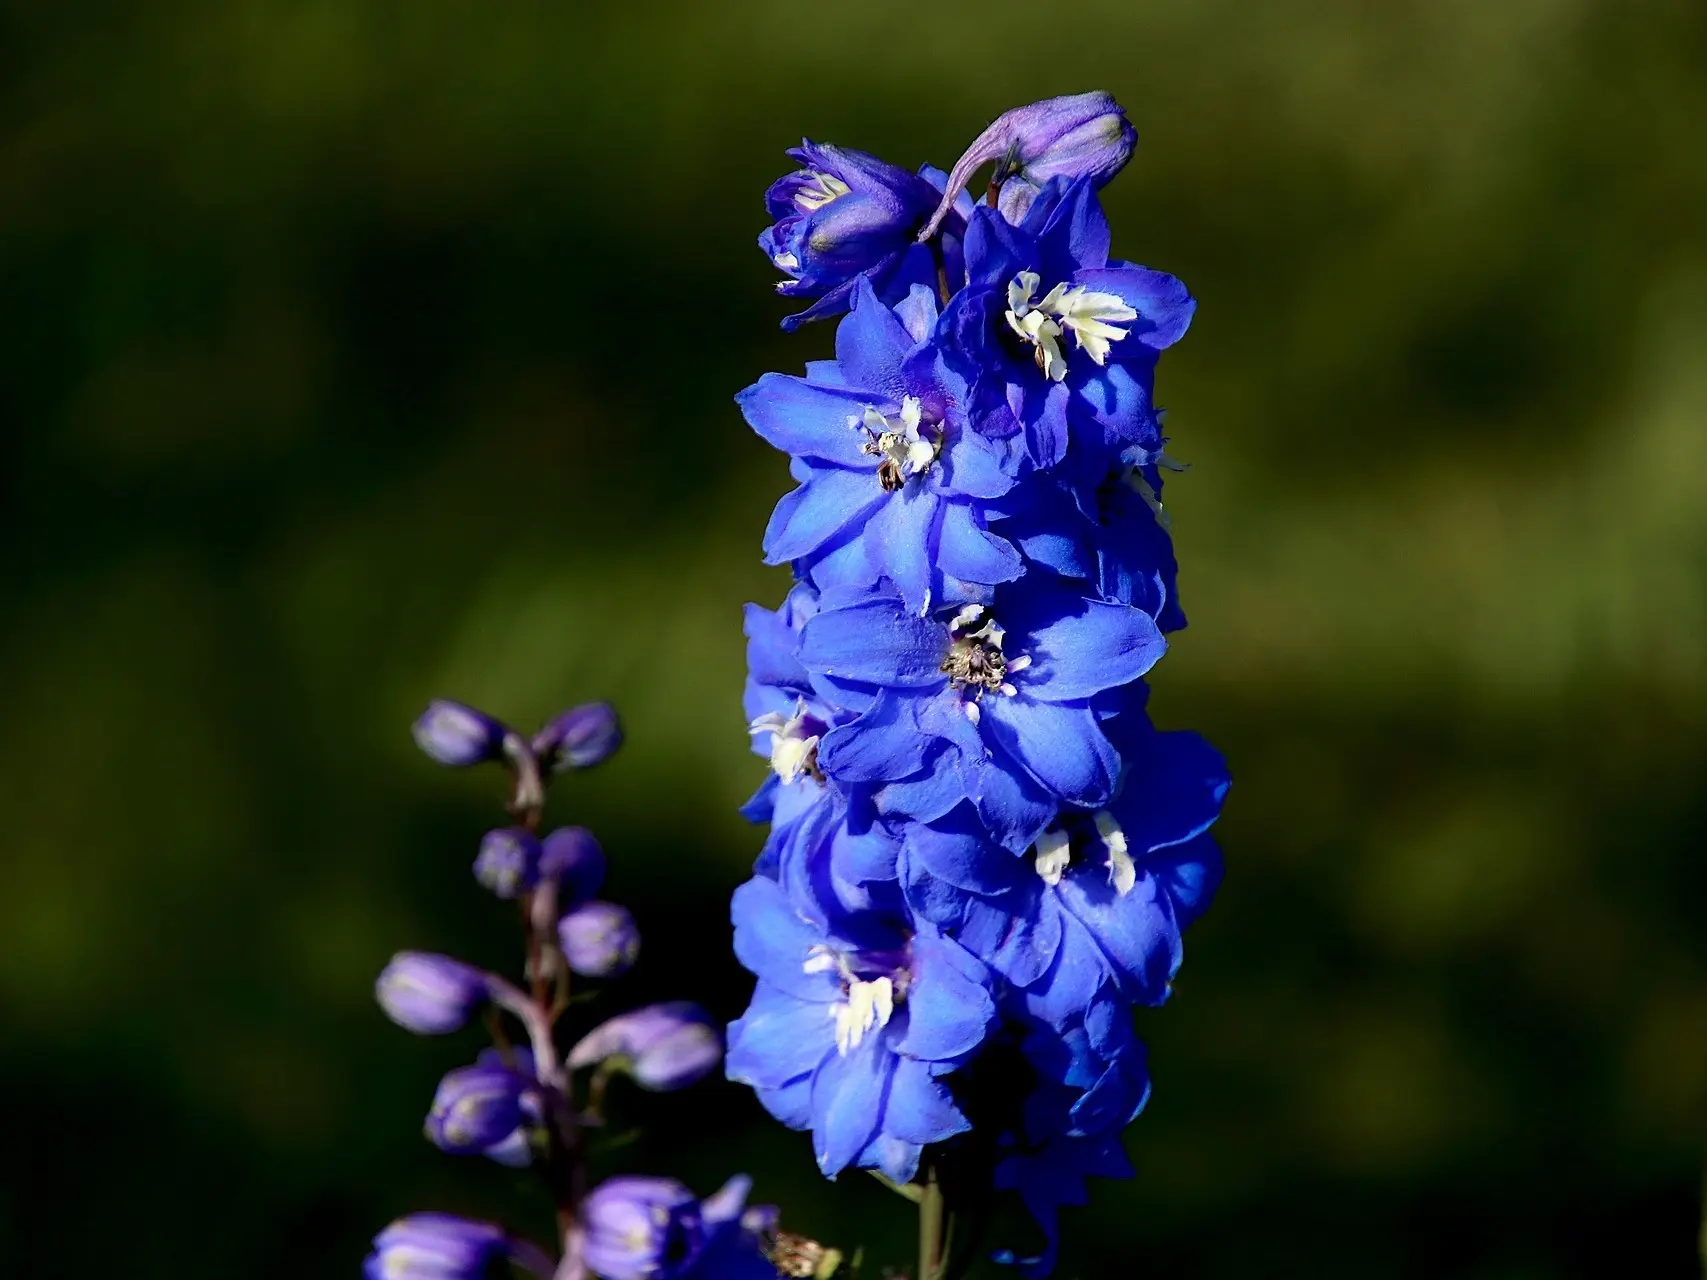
point(787, 261)
point(971, 710)
point(819, 192)
point(1122, 871)
point(1054, 853)
point(1083, 311)
point(868, 1007)
point(1019, 664)
point(821, 959)
point(900, 440)
point(1007, 690)
point(791, 746)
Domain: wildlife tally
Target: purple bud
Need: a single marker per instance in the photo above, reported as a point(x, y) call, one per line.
point(573, 858)
point(1081, 135)
point(579, 738)
point(428, 994)
point(435, 1246)
point(508, 861)
point(458, 735)
point(475, 1108)
point(663, 1046)
point(599, 940)
point(641, 1229)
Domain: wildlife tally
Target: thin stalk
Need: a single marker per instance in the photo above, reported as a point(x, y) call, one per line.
point(932, 1216)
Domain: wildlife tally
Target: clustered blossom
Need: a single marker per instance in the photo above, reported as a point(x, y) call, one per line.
point(982, 853)
point(528, 1106)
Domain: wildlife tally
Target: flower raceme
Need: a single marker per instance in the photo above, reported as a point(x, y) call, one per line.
point(982, 855)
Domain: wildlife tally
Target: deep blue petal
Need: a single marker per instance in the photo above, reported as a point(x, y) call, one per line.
point(1061, 746)
point(921, 1109)
point(1088, 646)
point(901, 541)
point(871, 343)
point(778, 1039)
point(969, 552)
point(773, 942)
point(809, 420)
point(949, 1005)
point(877, 642)
point(883, 743)
point(831, 500)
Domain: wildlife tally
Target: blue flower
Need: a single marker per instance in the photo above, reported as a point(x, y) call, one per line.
point(847, 1032)
point(641, 1229)
point(993, 705)
point(1100, 905)
point(844, 217)
point(1051, 335)
point(892, 480)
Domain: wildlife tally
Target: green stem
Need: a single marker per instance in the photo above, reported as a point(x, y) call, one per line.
point(931, 1222)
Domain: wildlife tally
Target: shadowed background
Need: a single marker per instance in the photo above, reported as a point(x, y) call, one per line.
point(358, 352)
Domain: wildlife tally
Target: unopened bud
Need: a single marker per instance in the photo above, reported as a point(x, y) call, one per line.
point(475, 1108)
point(572, 857)
point(458, 735)
point(428, 994)
point(508, 861)
point(641, 1229)
point(663, 1046)
point(579, 738)
point(599, 940)
point(1082, 135)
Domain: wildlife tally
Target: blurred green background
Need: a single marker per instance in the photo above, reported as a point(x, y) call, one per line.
point(361, 351)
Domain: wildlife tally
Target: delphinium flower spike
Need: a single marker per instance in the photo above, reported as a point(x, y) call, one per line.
point(982, 854)
point(529, 1105)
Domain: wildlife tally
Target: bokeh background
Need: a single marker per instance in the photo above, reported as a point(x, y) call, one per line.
point(360, 351)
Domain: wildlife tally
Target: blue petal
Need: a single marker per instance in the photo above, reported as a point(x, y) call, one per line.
point(870, 345)
point(772, 941)
point(995, 251)
point(848, 1095)
point(1191, 873)
point(878, 642)
point(968, 552)
point(1164, 307)
point(1136, 932)
point(1088, 647)
point(814, 513)
point(1018, 935)
point(808, 420)
point(778, 1039)
point(1010, 803)
point(900, 540)
point(1075, 236)
point(1062, 747)
point(921, 1109)
point(883, 743)
point(949, 1006)
point(771, 643)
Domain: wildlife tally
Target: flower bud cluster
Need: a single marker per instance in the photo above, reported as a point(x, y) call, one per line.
point(982, 854)
point(521, 1102)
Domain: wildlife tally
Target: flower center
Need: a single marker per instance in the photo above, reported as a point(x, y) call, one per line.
point(899, 444)
point(794, 742)
point(975, 659)
point(1055, 854)
point(1080, 311)
point(818, 191)
point(866, 1005)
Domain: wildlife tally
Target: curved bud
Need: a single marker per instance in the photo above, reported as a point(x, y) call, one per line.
point(508, 861)
point(572, 857)
point(457, 735)
point(435, 1246)
point(431, 995)
point(1080, 135)
point(599, 940)
point(475, 1108)
point(641, 1229)
point(663, 1046)
point(579, 738)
